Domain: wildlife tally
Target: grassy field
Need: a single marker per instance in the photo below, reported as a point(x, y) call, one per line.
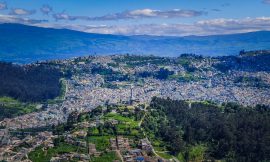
point(123, 119)
point(10, 107)
point(101, 142)
point(164, 155)
point(126, 126)
point(106, 157)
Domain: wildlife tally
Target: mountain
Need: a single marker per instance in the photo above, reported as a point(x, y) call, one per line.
point(24, 44)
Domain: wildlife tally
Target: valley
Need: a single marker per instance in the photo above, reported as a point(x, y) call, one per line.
point(107, 98)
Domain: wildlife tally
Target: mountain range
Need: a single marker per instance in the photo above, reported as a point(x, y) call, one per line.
point(24, 44)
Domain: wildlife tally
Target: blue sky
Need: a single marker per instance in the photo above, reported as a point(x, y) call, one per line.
point(136, 17)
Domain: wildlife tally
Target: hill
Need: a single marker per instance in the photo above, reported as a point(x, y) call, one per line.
point(24, 44)
point(203, 131)
point(29, 83)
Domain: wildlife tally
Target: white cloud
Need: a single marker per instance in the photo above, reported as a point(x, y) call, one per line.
point(205, 27)
point(21, 11)
point(149, 13)
point(20, 20)
point(134, 14)
point(143, 12)
point(63, 16)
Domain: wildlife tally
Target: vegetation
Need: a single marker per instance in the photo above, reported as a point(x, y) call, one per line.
point(254, 53)
point(29, 83)
point(133, 60)
point(101, 142)
point(127, 125)
point(203, 130)
point(186, 61)
point(189, 131)
point(249, 63)
point(40, 155)
point(102, 70)
point(109, 85)
point(161, 74)
point(123, 120)
point(10, 108)
point(251, 81)
point(127, 122)
point(109, 74)
point(187, 77)
point(109, 156)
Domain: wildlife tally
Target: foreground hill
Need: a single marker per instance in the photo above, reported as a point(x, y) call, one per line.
point(202, 131)
point(23, 44)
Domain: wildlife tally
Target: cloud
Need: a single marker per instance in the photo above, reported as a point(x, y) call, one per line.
point(266, 1)
point(149, 13)
point(3, 5)
point(64, 16)
point(235, 25)
point(23, 12)
point(205, 27)
point(134, 14)
point(20, 20)
point(46, 9)
point(146, 29)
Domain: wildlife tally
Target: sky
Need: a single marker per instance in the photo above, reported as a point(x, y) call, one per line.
point(141, 17)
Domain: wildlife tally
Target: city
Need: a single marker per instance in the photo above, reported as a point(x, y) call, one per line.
point(91, 86)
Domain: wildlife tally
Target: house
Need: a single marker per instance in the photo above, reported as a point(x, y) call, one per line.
point(92, 149)
point(146, 145)
point(80, 134)
point(123, 143)
point(113, 143)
